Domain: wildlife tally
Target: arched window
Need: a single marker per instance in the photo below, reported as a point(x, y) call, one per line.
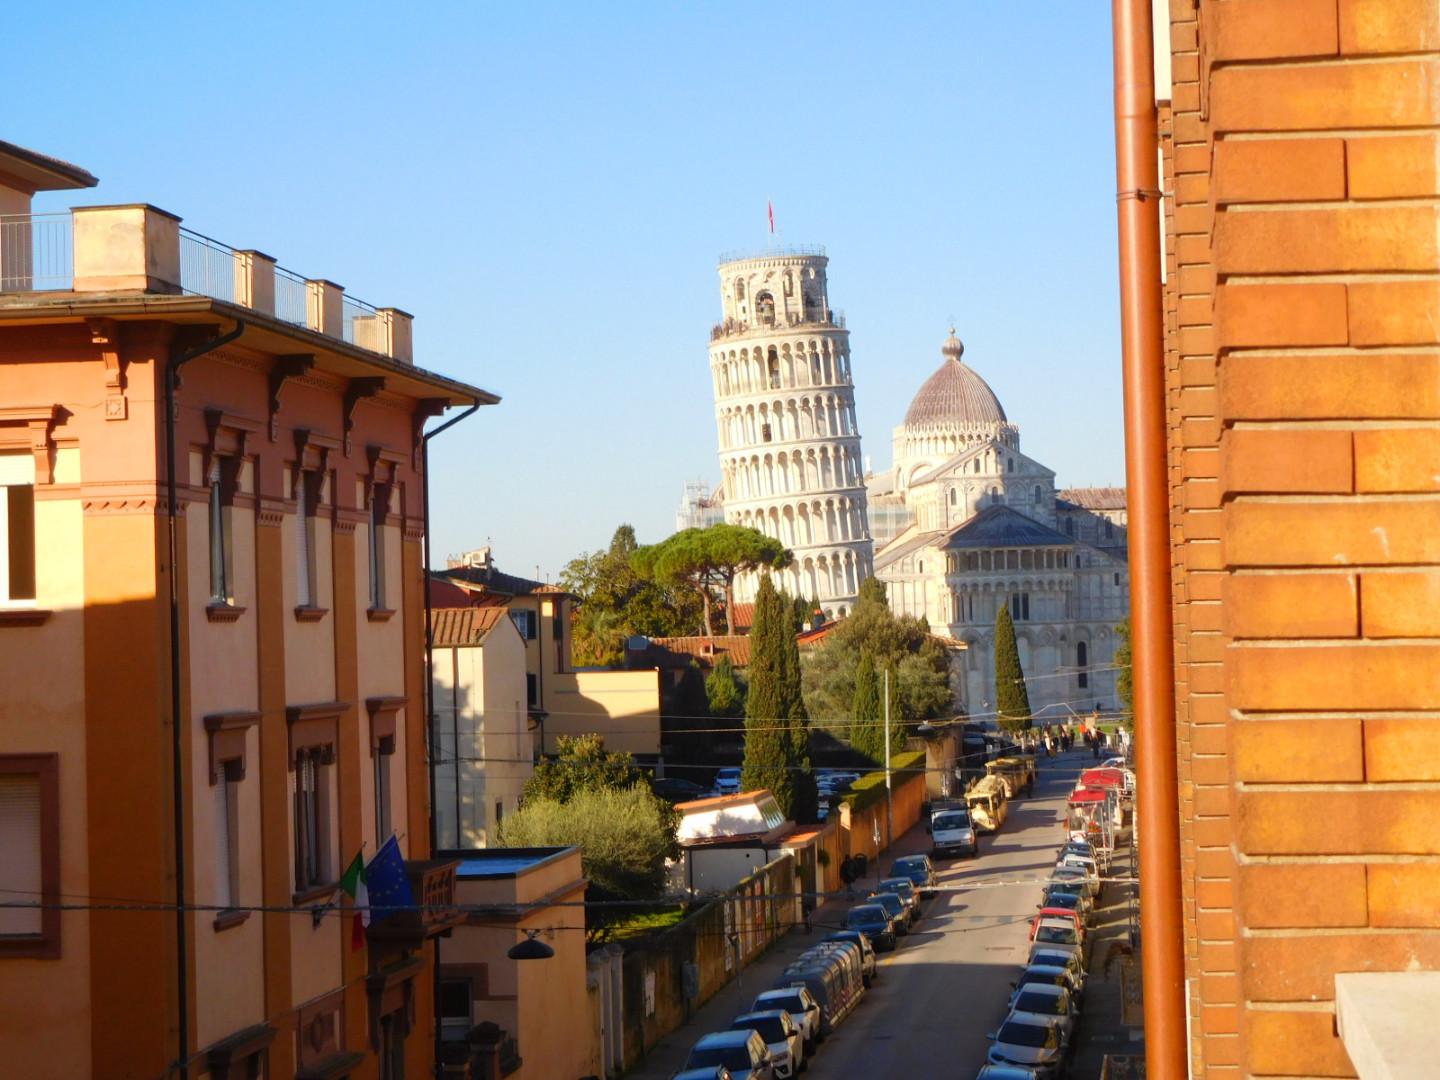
point(1039, 494)
point(1010, 464)
point(1082, 659)
point(739, 288)
point(977, 465)
point(765, 308)
point(1109, 529)
point(773, 368)
point(1070, 526)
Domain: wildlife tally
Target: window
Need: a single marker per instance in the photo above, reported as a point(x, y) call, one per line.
point(532, 689)
point(17, 528)
point(1117, 577)
point(1070, 526)
point(312, 818)
point(30, 839)
point(499, 812)
point(382, 794)
point(1039, 494)
point(1020, 606)
point(765, 308)
point(952, 496)
point(224, 473)
point(392, 1045)
point(227, 841)
point(764, 432)
point(1109, 529)
point(1009, 464)
point(379, 504)
point(307, 495)
point(524, 620)
point(455, 1008)
point(1082, 659)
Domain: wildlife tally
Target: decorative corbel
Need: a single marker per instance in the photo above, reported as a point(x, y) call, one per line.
point(425, 408)
point(286, 367)
point(364, 387)
point(106, 334)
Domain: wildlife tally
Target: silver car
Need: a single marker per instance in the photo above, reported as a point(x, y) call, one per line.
point(782, 1038)
point(1047, 1001)
point(1034, 1043)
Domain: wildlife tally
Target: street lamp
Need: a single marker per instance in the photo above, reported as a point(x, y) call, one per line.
point(530, 948)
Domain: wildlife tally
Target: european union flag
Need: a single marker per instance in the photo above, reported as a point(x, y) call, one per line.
point(387, 882)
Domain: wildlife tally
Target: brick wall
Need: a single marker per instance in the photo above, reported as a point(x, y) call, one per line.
point(1301, 168)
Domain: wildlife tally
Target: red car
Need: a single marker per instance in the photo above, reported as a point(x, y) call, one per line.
point(1069, 914)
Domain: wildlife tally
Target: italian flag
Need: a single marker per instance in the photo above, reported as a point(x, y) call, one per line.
point(353, 882)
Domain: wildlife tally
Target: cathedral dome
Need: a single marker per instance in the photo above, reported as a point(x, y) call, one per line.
point(955, 396)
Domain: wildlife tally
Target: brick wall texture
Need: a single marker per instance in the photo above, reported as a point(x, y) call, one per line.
point(1301, 166)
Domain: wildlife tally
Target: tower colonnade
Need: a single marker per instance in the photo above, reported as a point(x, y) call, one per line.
point(788, 437)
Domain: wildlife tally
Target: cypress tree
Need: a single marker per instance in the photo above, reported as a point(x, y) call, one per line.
point(1011, 699)
point(865, 712)
point(767, 737)
point(806, 801)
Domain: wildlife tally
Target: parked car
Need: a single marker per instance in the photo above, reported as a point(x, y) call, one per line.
point(874, 922)
point(896, 908)
point(1074, 899)
point(904, 888)
point(1048, 914)
point(744, 1053)
point(802, 1007)
point(676, 789)
point(1049, 1002)
point(1058, 934)
point(1073, 875)
point(1041, 957)
point(727, 780)
point(868, 964)
point(1054, 974)
point(952, 831)
point(1114, 763)
point(782, 1038)
point(1037, 1043)
point(708, 1072)
point(918, 869)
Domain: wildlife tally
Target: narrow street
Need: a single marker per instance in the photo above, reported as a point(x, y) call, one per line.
point(946, 986)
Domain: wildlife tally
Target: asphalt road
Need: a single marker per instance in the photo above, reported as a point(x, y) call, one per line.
point(946, 986)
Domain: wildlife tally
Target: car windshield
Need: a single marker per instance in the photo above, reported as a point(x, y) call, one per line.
point(1062, 899)
point(901, 885)
point(1038, 1003)
point(1054, 978)
point(1017, 1034)
point(954, 819)
point(771, 1028)
point(1056, 935)
point(867, 916)
point(890, 902)
point(732, 1057)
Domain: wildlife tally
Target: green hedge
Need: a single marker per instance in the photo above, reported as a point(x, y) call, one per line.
point(871, 786)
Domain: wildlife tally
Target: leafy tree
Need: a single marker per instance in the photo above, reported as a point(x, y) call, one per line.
point(724, 695)
point(707, 561)
point(624, 835)
point(865, 719)
point(767, 736)
point(615, 602)
point(920, 665)
point(1012, 701)
point(1125, 676)
point(581, 764)
point(805, 807)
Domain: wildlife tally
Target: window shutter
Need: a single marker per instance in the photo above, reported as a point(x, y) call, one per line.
point(302, 541)
point(222, 842)
point(20, 841)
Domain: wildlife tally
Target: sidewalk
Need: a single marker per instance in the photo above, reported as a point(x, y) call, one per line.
point(668, 1055)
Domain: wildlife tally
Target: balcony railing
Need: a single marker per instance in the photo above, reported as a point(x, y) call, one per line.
point(777, 251)
point(35, 252)
point(432, 883)
point(140, 248)
point(778, 322)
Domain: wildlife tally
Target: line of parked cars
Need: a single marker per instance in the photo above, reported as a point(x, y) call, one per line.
point(785, 1025)
point(1035, 1039)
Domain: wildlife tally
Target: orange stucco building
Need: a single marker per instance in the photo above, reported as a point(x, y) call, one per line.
point(211, 654)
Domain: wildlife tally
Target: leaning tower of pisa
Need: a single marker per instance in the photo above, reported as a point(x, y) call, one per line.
point(785, 410)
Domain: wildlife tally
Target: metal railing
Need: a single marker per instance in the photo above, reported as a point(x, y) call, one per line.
point(291, 303)
point(36, 252)
point(779, 322)
point(773, 252)
point(362, 324)
point(207, 267)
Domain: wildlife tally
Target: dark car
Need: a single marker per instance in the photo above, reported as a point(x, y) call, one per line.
point(918, 869)
point(874, 922)
point(904, 888)
point(895, 907)
point(867, 950)
point(677, 789)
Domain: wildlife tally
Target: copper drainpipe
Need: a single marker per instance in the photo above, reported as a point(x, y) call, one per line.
point(1148, 497)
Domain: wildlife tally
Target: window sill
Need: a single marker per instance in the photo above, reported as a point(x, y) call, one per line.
point(33, 946)
point(23, 616)
point(216, 612)
point(305, 613)
point(314, 893)
point(224, 920)
point(378, 614)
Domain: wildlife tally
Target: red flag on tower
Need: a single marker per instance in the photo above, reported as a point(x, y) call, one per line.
point(770, 212)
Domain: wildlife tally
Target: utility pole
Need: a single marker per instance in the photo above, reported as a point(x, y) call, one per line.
point(889, 798)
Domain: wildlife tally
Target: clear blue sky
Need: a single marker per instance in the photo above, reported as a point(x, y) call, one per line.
point(547, 188)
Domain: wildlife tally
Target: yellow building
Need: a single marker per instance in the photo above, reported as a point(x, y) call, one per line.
point(211, 649)
point(623, 706)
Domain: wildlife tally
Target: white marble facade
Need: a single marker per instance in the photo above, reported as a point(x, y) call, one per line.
point(964, 522)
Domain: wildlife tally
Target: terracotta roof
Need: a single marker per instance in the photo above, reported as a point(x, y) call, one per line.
point(704, 649)
point(46, 173)
point(459, 627)
point(483, 580)
point(714, 802)
point(955, 396)
point(744, 616)
point(1094, 498)
point(814, 637)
